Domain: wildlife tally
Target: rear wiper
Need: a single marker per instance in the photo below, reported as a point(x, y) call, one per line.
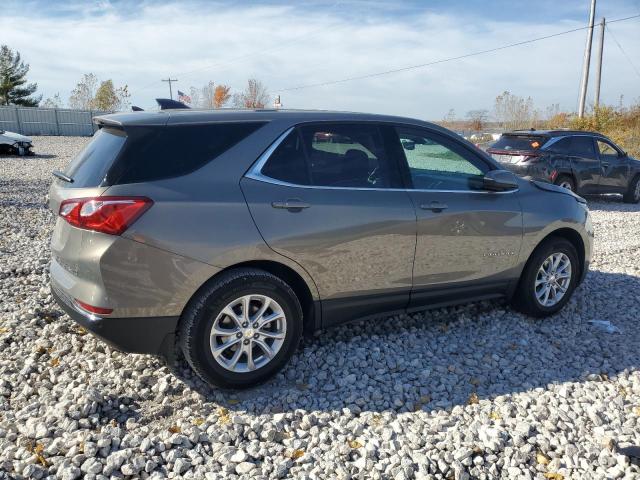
point(62, 176)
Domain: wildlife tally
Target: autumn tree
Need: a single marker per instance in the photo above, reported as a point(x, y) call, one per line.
point(82, 96)
point(221, 95)
point(477, 119)
point(255, 95)
point(14, 89)
point(514, 112)
point(87, 95)
point(109, 98)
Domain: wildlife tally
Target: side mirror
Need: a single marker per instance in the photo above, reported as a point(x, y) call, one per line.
point(409, 144)
point(499, 181)
point(622, 154)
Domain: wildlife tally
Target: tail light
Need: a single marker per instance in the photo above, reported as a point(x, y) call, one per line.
point(111, 215)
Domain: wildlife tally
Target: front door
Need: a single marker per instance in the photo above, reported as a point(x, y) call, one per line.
point(328, 198)
point(614, 168)
point(468, 239)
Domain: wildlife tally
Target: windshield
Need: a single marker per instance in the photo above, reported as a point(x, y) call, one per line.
point(519, 143)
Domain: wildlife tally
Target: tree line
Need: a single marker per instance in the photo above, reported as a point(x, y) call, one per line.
point(91, 93)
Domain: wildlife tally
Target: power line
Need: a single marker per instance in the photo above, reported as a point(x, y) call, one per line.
point(444, 60)
point(623, 51)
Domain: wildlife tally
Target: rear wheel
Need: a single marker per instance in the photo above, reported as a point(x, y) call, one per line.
point(241, 329)
point(633, 193)
point(565, 181)
point(549, 278)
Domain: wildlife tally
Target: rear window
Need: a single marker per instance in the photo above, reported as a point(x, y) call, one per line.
point(90, 166)
point(143, 154)
point(519, 143)
point(171, 151)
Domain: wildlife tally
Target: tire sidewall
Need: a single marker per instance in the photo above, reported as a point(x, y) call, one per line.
point(206, 313)
point(566, 178)
point(554, 246)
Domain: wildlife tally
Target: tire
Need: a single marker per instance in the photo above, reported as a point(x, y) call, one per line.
point(206, 309)
point(632, 195)
point(525, 299)
point(567, 182)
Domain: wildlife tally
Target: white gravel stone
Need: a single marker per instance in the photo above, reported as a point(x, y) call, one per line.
point(372, 399)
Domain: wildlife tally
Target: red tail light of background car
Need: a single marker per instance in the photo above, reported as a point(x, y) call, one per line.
point(111, 215)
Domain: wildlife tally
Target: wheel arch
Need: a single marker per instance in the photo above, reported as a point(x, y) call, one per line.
point(573, 236)
point(310, 307)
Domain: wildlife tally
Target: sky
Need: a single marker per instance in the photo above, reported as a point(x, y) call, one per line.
point(291, 44)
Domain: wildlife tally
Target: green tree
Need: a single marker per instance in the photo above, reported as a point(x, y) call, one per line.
point(14, 89)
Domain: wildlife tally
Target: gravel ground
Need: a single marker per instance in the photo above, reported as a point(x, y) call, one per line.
point(470, 392)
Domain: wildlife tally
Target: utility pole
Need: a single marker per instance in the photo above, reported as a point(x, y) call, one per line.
point(175, 80)
point(587, 60)
point(596, 100)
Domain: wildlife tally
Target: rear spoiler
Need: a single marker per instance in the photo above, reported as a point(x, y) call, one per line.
point(170, 104)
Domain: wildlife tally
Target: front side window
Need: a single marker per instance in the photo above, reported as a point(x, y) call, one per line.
point(606, 150)
point(435, 164)
point(333, 155)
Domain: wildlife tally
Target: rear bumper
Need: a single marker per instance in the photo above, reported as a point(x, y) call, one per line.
point(150, 335)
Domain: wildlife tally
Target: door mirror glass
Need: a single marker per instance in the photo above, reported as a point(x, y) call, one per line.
point(499, 181)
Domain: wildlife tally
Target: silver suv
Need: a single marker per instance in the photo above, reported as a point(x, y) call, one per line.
point(229, 234)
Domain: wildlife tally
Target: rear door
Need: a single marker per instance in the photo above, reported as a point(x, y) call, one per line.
point(585, 163)
point(328, 196)
point(614, 168)
point(468, 239)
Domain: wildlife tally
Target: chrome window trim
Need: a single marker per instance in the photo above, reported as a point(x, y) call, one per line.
point(255, 173)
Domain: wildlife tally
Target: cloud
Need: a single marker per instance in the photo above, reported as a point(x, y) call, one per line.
point(285, 46)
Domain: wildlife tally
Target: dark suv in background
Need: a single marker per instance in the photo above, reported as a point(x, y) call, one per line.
point(583, 162)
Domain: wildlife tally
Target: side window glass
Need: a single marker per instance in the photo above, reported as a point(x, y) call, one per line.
point(347, 155)
point(288, 162)
point(582, 146)
point(562, 146)
point(434, 165)
point(607, 151)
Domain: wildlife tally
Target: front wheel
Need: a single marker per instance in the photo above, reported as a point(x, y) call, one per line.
point(633, 193)
point(549, 278)
point(241, 329)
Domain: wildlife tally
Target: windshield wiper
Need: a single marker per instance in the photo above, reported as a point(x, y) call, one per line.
point(62, 176)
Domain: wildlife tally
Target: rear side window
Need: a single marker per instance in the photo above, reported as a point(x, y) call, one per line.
point(90, 167)
point(562, 146)
point(519, 143)
point(288, 162)
point(347, 155)
point(333, 155)
point(156, 153)
point(582, 146)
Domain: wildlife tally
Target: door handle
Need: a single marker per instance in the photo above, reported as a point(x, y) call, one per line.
point(605, 165)
point(434, 206)
point(291, 204)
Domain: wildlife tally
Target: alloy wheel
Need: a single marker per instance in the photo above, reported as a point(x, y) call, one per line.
point(248, 333)
point(566, 184)
point(553, 279)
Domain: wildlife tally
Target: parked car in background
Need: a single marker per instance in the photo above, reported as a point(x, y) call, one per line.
point(15, 143)
point(583, 162)
point(229, 233)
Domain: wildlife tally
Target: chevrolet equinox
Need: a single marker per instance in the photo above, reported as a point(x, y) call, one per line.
point(230, 234)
